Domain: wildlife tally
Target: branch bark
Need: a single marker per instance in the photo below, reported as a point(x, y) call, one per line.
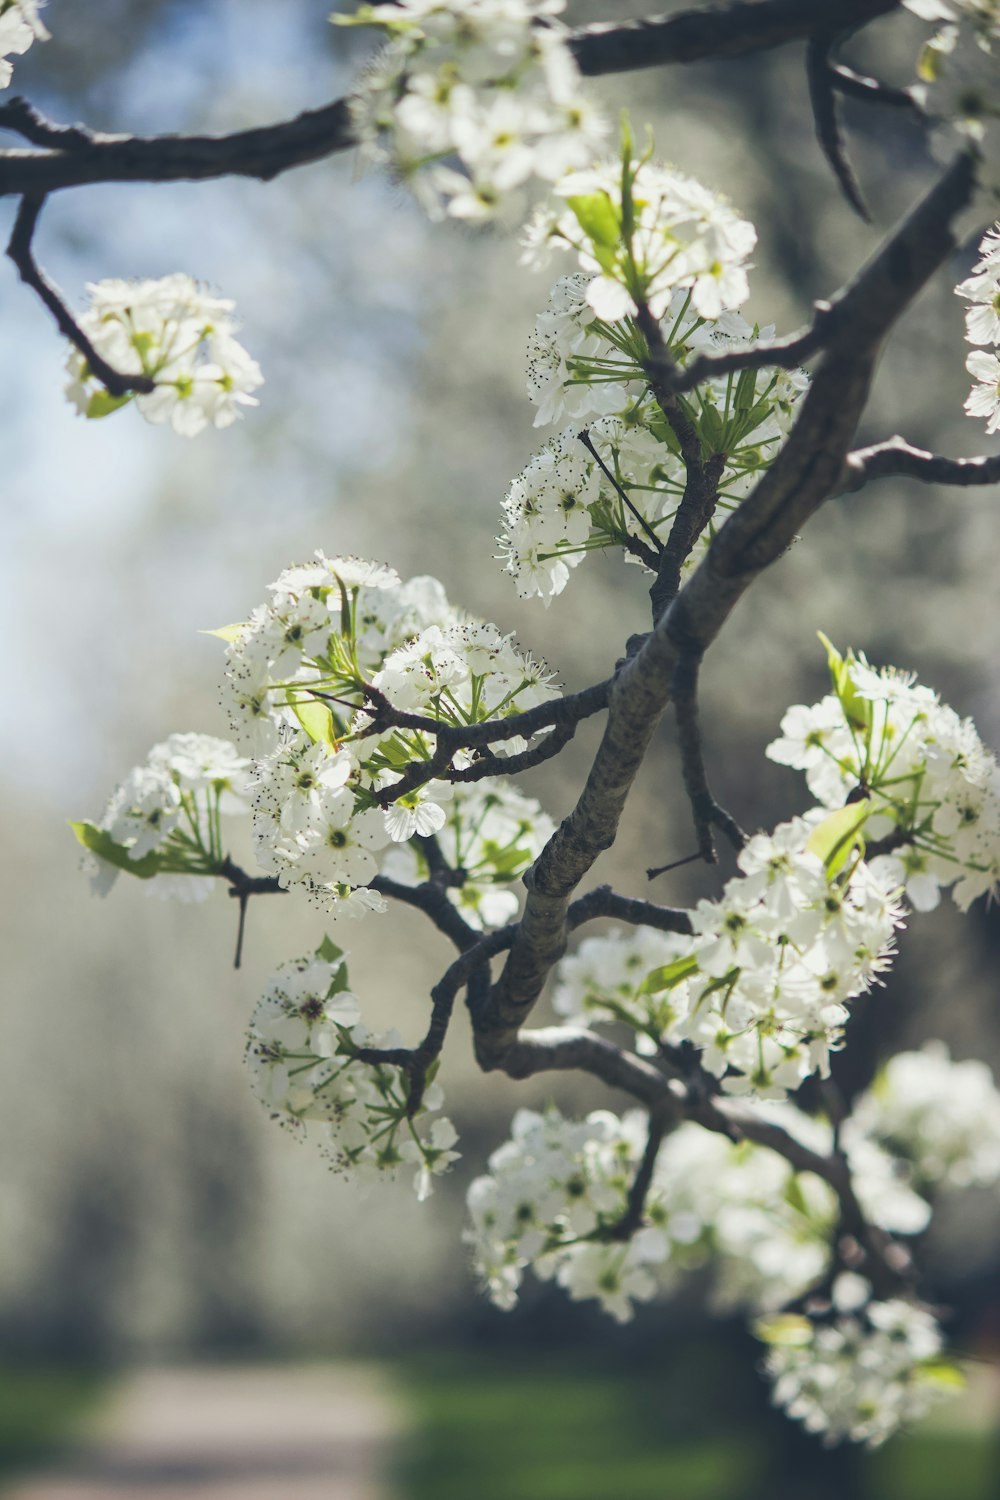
point(804, 474)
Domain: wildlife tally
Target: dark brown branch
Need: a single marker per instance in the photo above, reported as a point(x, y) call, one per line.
point(854, 85)
point(262, 152)
point(430, 897)
point(823, 98)
point(602, 901)
point(635, 1209)
point(728, 30)
point(896, 458)
point(77, 157)
point(567, 710)
point(706, 811)
point(19, 250)
point(701, 488)
point(489, 764)
point(25, 120)
point(783, 354)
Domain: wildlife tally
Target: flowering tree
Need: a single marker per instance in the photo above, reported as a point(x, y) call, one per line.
point(378, 728)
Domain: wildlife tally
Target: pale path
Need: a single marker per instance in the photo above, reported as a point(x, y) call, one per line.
point(303, 1432)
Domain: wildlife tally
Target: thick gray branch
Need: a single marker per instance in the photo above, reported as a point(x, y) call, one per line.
point(804, 474)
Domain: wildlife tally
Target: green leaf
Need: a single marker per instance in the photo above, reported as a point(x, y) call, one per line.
point(711, 429)
point(834, 838)
point(857, 710)
point(315, 719)
point(100, 842)
point(102, 404)
point(668, 976)
point(226, 632)
point(746, 391)
point(598, 218)
point(790, 1329)
point(941, 1373)
point(328, 951)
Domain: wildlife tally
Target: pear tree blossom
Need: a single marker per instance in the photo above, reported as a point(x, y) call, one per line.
point(20, 26)
point(379, 730)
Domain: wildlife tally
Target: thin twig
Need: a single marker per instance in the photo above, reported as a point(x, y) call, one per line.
point(823, 98)
point(635, 1210)
point(704, 808)
point(602, 901)
point(855, 85)
point(19, 250)
point(651, 558)
point(896, 458)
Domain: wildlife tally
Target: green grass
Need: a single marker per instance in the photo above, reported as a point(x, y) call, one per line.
point(40, 1409)
point(529, 1427)
point(533, 1429)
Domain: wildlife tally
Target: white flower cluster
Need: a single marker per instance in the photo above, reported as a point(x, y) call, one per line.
point(302, 1054)
point(923, 775)
point(552, 1194)
point(644, 231)
point(557, 1190)
point(297, 678)
point(860, 1374)
point(20, 25)
point(490, 83)
point(181, 337)
point(761, 989)
point(982, 326)
point(564, 505)
point(941, 1118)
point(163, 822)
point(491, 833)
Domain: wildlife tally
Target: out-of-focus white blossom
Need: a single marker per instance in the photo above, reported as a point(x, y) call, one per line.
point(860, 1376)
point(179, 335)
point(938, 1117)
point(489, 85)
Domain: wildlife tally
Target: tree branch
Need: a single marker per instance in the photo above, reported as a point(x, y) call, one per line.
point(896, 458)
point(602, 901)
point(19, 250)
point(77, 157)
point(803, 475)
point(727, 30)
point(706, 811)
point(559, 1048)
point(823, 98)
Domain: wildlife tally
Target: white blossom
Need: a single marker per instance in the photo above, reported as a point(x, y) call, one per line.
point(940, 1119)
point(923, 770)
point(302, 1055)
point(858, 1376)
point(20, 25)
point(684, 237)
point(490, 83)
point(179, 335)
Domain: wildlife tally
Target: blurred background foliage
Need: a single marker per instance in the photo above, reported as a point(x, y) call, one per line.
point(150, 1208)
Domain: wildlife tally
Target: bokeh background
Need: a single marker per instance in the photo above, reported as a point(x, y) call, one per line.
point(151, 1212)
